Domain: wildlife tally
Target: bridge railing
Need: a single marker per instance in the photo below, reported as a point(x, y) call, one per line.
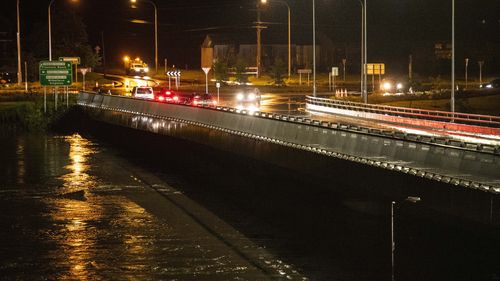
point(434, 115)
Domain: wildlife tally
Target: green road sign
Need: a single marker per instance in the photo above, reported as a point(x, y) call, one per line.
point(56, 73)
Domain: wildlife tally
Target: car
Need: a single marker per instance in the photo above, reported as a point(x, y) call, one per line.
point(248, 98)
point(102, 91)
point(138, 68)
point(163, 94)
point(494, 84)
point(143, 92)
point(202, 100)
point(392, 87)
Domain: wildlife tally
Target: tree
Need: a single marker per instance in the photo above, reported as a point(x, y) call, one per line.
point(278, 69)
point(241, 68)
point(70, 38)
point(220, 71)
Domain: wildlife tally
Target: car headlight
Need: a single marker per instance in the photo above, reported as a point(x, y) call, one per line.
point(146, 69)
point(489, 86)
point(239, 96)
point(399, 86)
point(136, 69)
point(387, 86)
point(251, 96)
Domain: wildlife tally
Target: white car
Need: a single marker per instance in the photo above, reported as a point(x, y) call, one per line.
point(248, 99)
point(143, 92)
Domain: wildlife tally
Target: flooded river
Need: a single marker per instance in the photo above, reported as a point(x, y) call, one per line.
point(75, 207)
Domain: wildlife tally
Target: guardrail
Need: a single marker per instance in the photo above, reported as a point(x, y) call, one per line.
point(440, 119)
point(271, 131)
point(431, 140)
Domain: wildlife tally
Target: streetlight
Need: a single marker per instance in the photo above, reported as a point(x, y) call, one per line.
point(480, 63)
point(50, 28)
point(19, 73)
point(289, 32)
point(365, 77)
point(314, 48)
point(411, 199)
point(156, 30)
point(362, 47)
point(452, 99)
point(466, 66)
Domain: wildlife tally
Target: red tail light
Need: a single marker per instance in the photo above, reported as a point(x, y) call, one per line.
point(195, 102)
point(161, 98)
point(214, 102)
point(168, 93)
point(176, 98)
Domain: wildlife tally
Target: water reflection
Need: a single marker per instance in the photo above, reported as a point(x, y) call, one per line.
point(80, 149)
point(21, 169)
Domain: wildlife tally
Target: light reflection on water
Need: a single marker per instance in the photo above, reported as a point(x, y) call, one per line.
point(80, 150)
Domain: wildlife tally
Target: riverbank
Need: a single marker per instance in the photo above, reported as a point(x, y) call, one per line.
point(27, 112)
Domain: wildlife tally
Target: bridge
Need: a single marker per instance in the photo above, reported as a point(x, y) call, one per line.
point(444, 171)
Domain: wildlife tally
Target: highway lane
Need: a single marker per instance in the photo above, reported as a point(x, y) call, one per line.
point(293, 104)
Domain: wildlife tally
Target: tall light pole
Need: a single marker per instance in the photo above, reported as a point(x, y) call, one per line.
point(50, 31)
point(156, 30)
point(289, 34)
point(50, 28)
point(314, 48)
point(466, 69)
point(19, 73)
point(365, 77)
point(452, 99)
point(259, 28)
point(481, 63)
point(362, 47)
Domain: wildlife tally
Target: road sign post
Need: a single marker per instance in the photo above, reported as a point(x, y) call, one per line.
point(335, 72)
point(176, 74)
point(55, 73)
point(217, 85)
point(75, 61)
point(206, 70)
point(84, 71)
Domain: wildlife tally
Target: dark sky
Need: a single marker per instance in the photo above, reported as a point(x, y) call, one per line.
point(184, 23)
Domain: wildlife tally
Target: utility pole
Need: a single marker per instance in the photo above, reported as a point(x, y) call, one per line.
point(103, 54)
point(410, 67)
point(481, 63)
point(466, 69)
point(259, 28)
point(314, 48)
point(19, 71)
point(452, 99)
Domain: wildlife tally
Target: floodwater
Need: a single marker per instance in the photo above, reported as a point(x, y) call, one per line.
point(74, 207)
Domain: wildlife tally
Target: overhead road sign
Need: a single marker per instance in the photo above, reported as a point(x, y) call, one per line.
point(55, 73)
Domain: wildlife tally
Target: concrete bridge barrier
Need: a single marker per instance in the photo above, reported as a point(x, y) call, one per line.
point(373, 162)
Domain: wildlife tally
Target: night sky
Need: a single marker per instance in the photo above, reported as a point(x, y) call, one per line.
point(392, 24)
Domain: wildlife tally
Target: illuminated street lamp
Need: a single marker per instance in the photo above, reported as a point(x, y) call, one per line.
point(289, 33)
point(314, 48)
point(452, 99)
point(156, 30)
point(19, 73)
point(50, 28)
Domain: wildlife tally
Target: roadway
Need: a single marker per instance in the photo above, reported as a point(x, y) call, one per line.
point(293, 104)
